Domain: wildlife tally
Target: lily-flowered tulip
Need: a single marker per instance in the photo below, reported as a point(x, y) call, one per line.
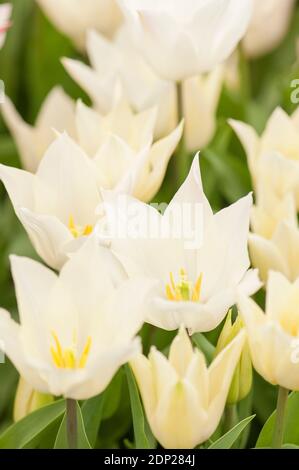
point(75, 17)
point(274, 335)
point(268, 26)
point(58, 204)
point(200, 269)
point(73, 335)
point(173, 35)
point(200, 101)
point(57, 112)
point(274, 243)
point(117, 69)
point(5, 14)
point(121, 144)
point(183, 398)
point(28, 400)
point(276, 151)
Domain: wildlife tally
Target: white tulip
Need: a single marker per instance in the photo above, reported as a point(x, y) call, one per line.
point(75, 17)
point(116, 64)
point(121, 144)
point(274, 335)
point(73, 335)
point(198, 283)
point(5, 14)
point(183, 398)
point(183, 39)
point(273, 156)
point(268, 26)
point(57, 112)
point(58, 204)
point(200, 101)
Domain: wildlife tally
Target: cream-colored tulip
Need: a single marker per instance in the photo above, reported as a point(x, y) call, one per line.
point(268, 26)
point(121, 144)
point(57, 112)
point(117, 69)
point(28, 400)
point(76, 329)
point(200, 101)
point(183, 398)
point(274, 335)
point(275, 154)
point(183, 249)
point(184, 39)
point(75, 17)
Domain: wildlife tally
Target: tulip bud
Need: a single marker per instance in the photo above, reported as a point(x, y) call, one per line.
point(242, 379)
point(28, 400)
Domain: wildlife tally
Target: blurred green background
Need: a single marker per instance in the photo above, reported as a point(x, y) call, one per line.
point(30, 66)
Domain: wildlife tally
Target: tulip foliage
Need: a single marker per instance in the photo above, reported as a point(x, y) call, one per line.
point(149, 240)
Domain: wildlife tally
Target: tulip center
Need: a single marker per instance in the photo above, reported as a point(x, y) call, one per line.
point(68, 358)
point(183, 289)
point(78, 231)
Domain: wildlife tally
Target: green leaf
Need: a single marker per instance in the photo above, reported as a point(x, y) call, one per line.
point(139, 423)
point(20, 434)
point(204, 345)
point(227, 440)
point(291, 433)
point(92, 412)
point(82, 440)
point(290, 446)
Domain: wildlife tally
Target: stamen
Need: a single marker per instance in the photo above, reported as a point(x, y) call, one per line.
point(78, 231)
point(67, 358)
point(183, 290)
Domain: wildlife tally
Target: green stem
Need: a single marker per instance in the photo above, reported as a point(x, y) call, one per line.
point(280, 416)
point(230, 417)
point(182, 158)
point(71, 422)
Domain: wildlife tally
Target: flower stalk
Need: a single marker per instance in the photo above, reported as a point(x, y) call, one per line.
point(71, 423)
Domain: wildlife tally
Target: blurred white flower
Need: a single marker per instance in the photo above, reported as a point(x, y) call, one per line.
point(117, 69)
point(268, 26)
point(200, 101)
point(5, 14)
point(183, 398)
point(75, 17)
point(274, 335)
point(274, 156)
point(183, 39)
point(73, 335)
point(121, 143)
point(198, 283)
point(57, 112)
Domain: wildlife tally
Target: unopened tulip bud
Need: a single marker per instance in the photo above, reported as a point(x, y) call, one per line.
point(242, 379)
point(28, 400)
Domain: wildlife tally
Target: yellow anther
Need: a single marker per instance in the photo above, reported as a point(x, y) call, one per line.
point(67, 358)
point(78, 231)
point(183, 290)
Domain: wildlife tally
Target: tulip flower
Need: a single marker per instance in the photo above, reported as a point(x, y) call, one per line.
point(279, 143)
point(5, 14)
point(274, 243)
point(58, 204)
point(268, 26)
point(117, 69)
point(73, 335)
point(242, 379)
point(180, 40)
point(183, 398)
point(28, 400)
point(200, 101)
point(57, 112)
point(74, 17)
point(200, 260)
point(274, 335)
